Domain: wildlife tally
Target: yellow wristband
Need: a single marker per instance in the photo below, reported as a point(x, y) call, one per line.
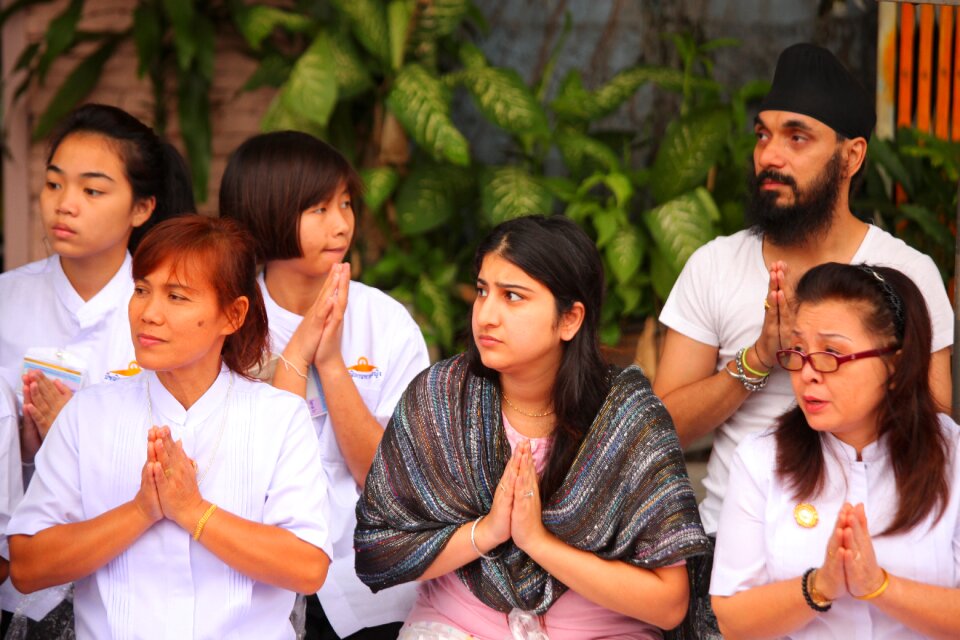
point(743, 361)
point(879, 590)
point(201, 523)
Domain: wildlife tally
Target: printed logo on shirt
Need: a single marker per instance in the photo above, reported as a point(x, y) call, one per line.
point(363, 370)
point(132, 369)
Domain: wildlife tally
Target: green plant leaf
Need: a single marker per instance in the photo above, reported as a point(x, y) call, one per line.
point(256, 22)
point(60, 36)
point(368, 20)
point(439, 18)
point(75, 88)
point(424, 200)
point(27, 56)
point(574, 102)
point(280, 118)
point(422, 105)
point(399, 13)
point(582, 152)
point(353, 77)
point(205, 46)
point(193, 107)
point(690, 146)
point(511, 192)
point(273, 72)
point(378, 185)
point(472, 57)
point(682, 225)
point(563, 188)
point(624, 254)
point(631, 294)
point(181, 14)
point(506, 101)
point(662, 274)
point(883, 155)
point(147, 37)
point(607, 224)
point(929, 222)
point(311, 90)
point(434, 302)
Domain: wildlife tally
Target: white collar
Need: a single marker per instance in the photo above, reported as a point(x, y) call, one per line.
point(109, 298)
point(166, 408)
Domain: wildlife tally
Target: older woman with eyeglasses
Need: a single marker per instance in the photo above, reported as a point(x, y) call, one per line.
point(843, 521)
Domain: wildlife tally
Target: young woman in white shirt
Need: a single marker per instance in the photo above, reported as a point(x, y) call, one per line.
point(844, 520)
point(108, 178)
point(351, 361)
point(186, 502)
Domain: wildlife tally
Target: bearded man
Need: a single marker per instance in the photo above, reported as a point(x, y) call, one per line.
point(729, 311)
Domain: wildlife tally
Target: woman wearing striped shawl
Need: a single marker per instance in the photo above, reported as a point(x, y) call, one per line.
point(528, 485)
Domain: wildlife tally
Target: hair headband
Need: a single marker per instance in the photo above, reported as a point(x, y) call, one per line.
point(894, 302)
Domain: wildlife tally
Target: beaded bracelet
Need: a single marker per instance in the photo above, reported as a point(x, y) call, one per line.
point(750, 384)
point(816, 606)
point(473, 540)
point(879, 590)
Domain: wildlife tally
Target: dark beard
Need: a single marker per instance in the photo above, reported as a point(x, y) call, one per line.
point(809, 216)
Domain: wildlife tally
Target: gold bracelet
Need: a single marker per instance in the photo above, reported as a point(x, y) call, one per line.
point(201, 523)
point(818, 597)
point(879, 590)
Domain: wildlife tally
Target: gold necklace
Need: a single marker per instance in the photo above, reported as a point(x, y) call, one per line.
point(524, 413)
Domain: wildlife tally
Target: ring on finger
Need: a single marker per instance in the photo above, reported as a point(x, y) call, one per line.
point(168, 472)
point(528, 494)
point(766, 304)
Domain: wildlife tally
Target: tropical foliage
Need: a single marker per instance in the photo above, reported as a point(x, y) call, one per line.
point(381, 80)
point(925, 172)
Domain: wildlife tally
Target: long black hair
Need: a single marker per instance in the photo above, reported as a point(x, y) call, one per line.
point(557, 253)
point(153, 167)
point(892, 308)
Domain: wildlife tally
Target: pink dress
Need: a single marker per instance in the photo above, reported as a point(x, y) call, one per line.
point(447, 601)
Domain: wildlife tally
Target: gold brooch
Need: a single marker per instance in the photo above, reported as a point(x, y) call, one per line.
point(806, 515)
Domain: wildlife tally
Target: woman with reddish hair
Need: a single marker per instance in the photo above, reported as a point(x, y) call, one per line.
point(187, 501)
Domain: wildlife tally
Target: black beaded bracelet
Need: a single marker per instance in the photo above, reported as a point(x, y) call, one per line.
point(806, 593)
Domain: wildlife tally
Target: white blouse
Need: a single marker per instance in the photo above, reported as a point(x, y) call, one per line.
point(42, 309)
point(760, 542)
point(266, 469)
point(384, 350)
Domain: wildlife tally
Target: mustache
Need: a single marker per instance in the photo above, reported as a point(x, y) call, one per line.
point(773, 174)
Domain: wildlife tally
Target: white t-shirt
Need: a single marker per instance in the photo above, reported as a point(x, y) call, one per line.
point(42, 309)
point(759, 541)
point(165, 585)
point(718, 300)
point(384, 350)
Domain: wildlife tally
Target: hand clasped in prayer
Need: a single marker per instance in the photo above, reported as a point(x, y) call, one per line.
point(169, 483)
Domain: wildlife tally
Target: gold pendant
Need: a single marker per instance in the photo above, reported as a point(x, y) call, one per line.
point(806, 515)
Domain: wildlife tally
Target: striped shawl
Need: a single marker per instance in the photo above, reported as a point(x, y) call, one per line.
point(626, 496)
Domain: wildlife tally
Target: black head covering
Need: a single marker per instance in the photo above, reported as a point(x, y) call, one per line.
point(811, 81)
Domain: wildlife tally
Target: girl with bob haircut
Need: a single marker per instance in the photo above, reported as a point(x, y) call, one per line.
point(108, 178)
point(187, 501)
point(844, 519)
point(351, 361)
point(525, 482)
